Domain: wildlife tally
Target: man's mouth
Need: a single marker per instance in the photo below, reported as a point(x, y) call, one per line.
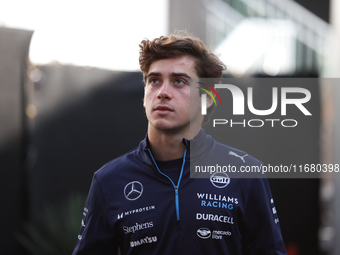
point(161, 109)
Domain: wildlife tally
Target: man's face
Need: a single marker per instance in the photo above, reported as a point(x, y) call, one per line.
point(167, 95)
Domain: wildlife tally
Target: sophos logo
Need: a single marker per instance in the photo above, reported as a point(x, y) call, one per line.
point(239, 105)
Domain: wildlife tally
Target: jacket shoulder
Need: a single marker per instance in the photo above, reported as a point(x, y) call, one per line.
point(115, 167)
point(234, 154)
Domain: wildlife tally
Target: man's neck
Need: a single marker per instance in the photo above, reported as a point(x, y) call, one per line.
point(165, 145)
point(168, 145)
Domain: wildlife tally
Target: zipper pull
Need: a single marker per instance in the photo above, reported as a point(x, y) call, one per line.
point(177, 202)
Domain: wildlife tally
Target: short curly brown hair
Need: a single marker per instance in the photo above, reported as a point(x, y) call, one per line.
point(207, 64)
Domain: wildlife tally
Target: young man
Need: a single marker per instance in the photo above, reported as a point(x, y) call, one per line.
point(145, 202)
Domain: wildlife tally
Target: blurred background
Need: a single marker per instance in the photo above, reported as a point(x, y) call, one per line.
point(71, 100)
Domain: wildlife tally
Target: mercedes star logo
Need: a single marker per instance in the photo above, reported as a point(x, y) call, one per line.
point(133, 190)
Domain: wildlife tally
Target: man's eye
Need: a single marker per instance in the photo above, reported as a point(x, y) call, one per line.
point(153, 81)
point(180, 82)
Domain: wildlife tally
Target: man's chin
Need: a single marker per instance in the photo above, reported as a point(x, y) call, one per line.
point(167, 127)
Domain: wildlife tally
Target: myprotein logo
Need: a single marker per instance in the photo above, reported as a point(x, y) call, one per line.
point(238, 106)
point(134, 211)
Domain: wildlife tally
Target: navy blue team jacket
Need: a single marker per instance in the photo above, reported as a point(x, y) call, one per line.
point(134, 204)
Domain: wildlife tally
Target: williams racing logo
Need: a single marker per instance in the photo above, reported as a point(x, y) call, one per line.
point(217, 201)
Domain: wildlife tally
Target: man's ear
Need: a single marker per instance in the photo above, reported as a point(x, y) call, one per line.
point(144, 97)
point(210, 101)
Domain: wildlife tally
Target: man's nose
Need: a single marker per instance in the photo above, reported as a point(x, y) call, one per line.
point(165, 91)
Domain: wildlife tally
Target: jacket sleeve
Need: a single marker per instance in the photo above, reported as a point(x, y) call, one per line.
point(96, 235)
point(262, 233)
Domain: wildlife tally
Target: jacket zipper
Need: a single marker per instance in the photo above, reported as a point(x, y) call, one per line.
point(176, 187)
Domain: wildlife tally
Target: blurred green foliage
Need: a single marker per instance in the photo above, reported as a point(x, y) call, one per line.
point(58, 231)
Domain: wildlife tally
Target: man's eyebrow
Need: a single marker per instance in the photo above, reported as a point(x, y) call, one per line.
point(154, 74)
point(172, 74)
point(181, 74)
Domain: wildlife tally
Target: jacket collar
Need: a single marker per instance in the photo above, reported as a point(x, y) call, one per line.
point(196, 147)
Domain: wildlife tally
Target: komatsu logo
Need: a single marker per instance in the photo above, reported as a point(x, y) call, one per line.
point(144, 240)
